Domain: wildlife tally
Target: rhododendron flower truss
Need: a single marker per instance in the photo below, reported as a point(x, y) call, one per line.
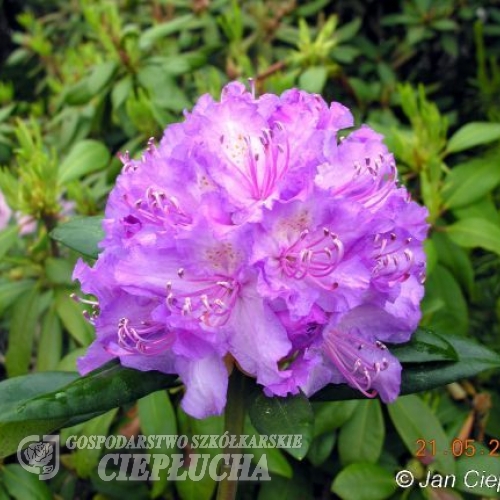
point(255, 236)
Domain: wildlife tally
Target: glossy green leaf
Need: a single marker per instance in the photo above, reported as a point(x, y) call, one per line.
point(11, 290)
point(321, 448)
point(313, 79)
point(473, 134)
point(23, 485)
point(58, 271)
point(81, 234)
point(444, 305)
point(111, 386)
point(8, 238)
point(297, 488)
point(22, 333)
point(275, 459)
point(85, 460)
point(121, 91)
point(471, 181)
point(414, 420)
point(290, 415)
point(425, 346)
point(50, 342)
point(157, 417)
point(361, 438)
point(151, 35)
point(431, 256)
point(14, 392)
point(474, 470)
point(72, 318)
point(473, 357)
point(78, 93)
point(85, 157)
point(482, 209)
point(329, 416)
point(455, 259)
point(475, 232)
point(101, 75)
point(364, 481)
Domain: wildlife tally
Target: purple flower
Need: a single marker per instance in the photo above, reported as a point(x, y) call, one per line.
point(256, 237)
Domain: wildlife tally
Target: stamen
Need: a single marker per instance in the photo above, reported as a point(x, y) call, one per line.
point(313, 255)
point(146, 338)
point(351, 356)
point(211, 304)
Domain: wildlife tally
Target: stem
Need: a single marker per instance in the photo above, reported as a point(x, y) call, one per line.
point(233, 424)
point(50, 222)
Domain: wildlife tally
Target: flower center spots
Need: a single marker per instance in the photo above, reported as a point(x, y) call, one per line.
point(313, 255)
point(211, 304)
point(393, 257)
point(353, 357)
point(260, 165)
point(156, 208)
point(144, 338)
point(223, 257)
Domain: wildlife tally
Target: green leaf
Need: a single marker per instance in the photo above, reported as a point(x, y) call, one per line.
point(348, 30)
point(85, 460)
point(157, 416)
point(452, 314)
point(291, 415)
point(471, 470)
point(72, 318)
point(81, 234)
point(361, 438)
point(121, 91)
point(471, 181)
point(12, 394)
point(425, 346)
point(151, 35)
point(483, 209)
point(101, 75)
point(85, 157)
point(58, 271)
point(78, 93)
point(364, 482)
point(475, 232)
point(321, 448)
point(313, 79)
point(455, 259)
point(50, 343)
point(11, 290)
point(101, 390)
point(431, 256)
point(473, 134)
point(22, 484)
point(332, 415)
point(297, 488)
point(414, 420)
point(275, 459)
point(8, 238)
point(22, 333)
point(17, 389)
point(473, 358)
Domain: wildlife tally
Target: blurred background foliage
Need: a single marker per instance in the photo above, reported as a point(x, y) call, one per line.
point(83, 80)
